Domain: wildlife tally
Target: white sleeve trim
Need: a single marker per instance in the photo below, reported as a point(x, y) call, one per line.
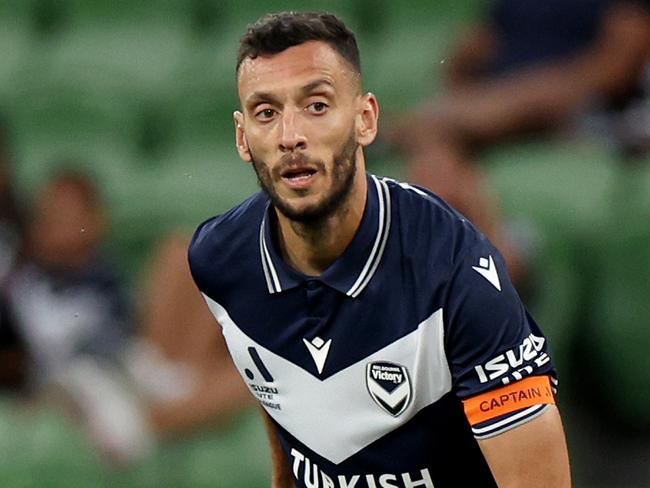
point(511, 422)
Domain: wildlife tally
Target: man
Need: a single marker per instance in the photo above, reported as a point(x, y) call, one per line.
point(67, 305)
point(528, 68)
point(376, 326)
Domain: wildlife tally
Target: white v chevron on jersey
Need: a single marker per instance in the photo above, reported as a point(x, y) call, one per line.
point(488, 270)
point(342, 403)
point(318, 349)
point(394, 397)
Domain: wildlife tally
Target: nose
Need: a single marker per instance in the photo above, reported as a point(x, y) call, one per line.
point(292, 137)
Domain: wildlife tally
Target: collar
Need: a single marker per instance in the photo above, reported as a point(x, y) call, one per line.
point(354, 269)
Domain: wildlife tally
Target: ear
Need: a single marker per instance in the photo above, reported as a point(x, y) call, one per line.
point(367, 119)
point(240, 137)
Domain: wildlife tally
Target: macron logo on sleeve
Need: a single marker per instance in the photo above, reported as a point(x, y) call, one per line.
point(488, 270)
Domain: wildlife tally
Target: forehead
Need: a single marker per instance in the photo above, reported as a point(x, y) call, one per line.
point(293, 68)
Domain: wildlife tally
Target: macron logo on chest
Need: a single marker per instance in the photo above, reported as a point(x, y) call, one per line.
point(318, 349)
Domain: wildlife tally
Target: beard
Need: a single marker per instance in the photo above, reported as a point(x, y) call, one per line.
point(344, 169)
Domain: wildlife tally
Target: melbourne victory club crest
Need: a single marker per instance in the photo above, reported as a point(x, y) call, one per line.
point(389, 385)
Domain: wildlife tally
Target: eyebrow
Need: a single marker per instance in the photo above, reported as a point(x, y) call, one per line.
point(261, 97)
point(311, 87)
point(267, 97)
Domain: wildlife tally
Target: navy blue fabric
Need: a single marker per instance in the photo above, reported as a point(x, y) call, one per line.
point(428, 264)
point(532, 32)
point(440, 424)
point(96, 283)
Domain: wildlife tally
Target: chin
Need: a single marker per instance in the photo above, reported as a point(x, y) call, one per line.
point(304, 211)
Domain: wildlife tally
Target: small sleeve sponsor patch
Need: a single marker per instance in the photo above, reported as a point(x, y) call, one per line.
point(534, 390)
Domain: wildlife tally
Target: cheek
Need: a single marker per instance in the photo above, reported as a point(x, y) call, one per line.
point(262, 135)
point(330, 138)
point(340, 138)
point(261, 147)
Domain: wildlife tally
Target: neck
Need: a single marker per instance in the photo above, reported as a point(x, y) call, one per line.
point(312, 247)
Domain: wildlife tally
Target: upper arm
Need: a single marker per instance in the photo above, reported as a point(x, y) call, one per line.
point(498, 357)
point(501, 369)
point(533, 455)
point(491, 340)
point(281, 470)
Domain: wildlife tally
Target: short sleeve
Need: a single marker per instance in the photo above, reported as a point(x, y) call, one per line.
point(498, 356)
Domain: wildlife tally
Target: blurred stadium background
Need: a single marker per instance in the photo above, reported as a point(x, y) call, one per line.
point(141, 94)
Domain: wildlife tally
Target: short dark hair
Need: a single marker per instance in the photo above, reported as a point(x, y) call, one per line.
point(273, 33)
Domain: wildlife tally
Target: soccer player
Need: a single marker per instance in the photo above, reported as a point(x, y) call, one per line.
point(375, 325)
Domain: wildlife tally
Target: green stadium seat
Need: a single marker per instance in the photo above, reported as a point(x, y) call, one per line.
point(143, 12)
point(42, 448)
point(618, 333)
point(16, 47)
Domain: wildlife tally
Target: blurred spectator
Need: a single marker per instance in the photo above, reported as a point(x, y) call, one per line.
point(10, 221)
point(127, 387)
point(66, 302)
point(64, 292)
point(12, 351)
point(530, 66)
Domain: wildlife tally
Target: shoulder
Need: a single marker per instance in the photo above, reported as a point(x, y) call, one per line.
point(448, 248)
point(226, 237)
point(429, 228)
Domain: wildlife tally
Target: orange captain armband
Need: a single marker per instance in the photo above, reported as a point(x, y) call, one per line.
point(534, 390)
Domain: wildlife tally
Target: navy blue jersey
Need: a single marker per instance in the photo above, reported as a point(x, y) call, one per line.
point(365, 369)
point(62, 313)
point(531, 32)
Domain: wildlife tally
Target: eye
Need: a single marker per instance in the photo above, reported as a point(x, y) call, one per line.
point(265, 114)
point(317, 107)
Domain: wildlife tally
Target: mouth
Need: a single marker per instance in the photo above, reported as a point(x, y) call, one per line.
point(299, 177)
